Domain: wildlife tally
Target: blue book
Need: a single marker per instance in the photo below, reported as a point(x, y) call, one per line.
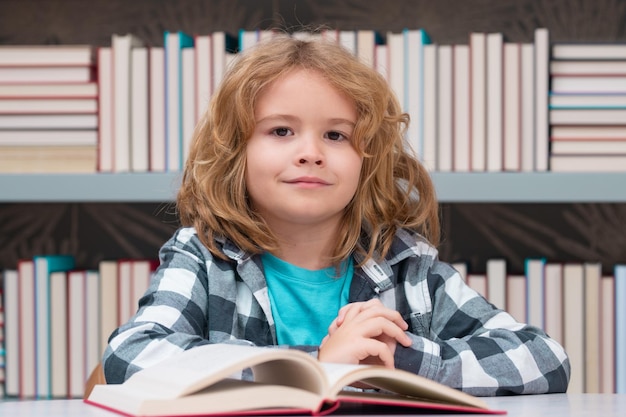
point(620, 328)
point(174, 43)
point(44, 266)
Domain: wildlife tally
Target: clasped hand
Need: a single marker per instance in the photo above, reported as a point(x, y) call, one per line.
point(364, 333)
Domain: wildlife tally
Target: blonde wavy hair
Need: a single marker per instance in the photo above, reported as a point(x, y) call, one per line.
point(395, 190)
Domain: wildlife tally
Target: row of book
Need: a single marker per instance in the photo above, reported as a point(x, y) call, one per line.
point(58, 318)
point(487, 105)
point(2, 358)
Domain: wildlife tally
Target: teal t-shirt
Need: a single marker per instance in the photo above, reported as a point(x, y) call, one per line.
point(304, 302)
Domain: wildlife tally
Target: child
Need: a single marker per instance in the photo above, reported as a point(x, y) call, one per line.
point(307, 224)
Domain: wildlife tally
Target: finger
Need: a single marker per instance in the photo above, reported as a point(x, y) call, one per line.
point(375, 348)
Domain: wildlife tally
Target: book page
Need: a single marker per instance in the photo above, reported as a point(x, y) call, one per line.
point(202, 366)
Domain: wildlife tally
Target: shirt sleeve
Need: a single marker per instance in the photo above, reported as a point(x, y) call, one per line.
point(172, 314)
point(467, 343)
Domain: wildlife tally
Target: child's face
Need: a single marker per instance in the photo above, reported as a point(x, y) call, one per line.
point(301, 166)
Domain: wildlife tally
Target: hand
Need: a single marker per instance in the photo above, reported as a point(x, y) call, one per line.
point(364, 332)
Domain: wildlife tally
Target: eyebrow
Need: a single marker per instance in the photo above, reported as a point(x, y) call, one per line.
point(290, 118)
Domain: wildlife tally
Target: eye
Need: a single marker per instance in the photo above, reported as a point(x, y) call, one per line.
point(336, 136)
point(282, 131)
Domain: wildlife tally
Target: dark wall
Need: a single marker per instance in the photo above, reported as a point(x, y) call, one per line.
point(471, 232)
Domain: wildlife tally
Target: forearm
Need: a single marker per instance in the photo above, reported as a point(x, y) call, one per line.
point(506, 362)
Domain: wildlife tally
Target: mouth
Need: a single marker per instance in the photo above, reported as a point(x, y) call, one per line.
point(308, 181)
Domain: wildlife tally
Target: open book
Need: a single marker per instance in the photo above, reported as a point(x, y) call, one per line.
point(203, 381)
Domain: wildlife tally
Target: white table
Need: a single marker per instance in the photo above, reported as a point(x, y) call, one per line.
point(555, 405)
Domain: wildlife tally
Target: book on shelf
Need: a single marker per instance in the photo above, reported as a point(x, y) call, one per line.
point(584, 132)
point(139, 141)
point(123, 111)
point(574, 323)
point(156, 109)
point(516, 296)
point(495, 77)
point(48, 105)
point(204, 72)
point(174, 43)
point(587, 101)
point(588, 163)
point(44, 266)
point(285, 381)
point(461, 147)
point(592, 292)
point(21, 75)
point(429, 146)
point(46, 55)
point(576, 67)
point(187, 100)
point(478, 100)
point(620, 328)
point(587, 116)
point(105, 109)
point(10, 289)
point(588, 147)
point(588, 51)
point(26, 328)
point(496, 282)
point(49, 122)
point(607, 334)
point(527, 107)
point(21, 138)
point(52, 90)
point(553, 300)
point(49, 159)
point(512, 141)
point(58, 335)
point(444, 108)
point(534, 272)
point(605, 84)
point(542, 88)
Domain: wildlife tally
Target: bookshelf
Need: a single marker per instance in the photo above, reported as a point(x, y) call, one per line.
point(451, 187)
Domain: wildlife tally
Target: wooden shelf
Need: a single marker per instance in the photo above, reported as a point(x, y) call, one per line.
point(451, 187)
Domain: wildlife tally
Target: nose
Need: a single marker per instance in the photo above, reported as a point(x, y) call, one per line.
point(310, 152)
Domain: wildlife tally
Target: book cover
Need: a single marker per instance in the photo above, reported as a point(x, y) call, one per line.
point(105, 110)
point(285, 381)
point(58, 335)
point(26, 322)
point(140, 114)
point(46, 55)
point(52, 90)
point(174, 42)
point(461, 111)
point(527, 107)
point(494, 99)
point(157, 108)
point(607, 334)
point(592, 288)
point(620, 328)
point(496, 282)
point(76, 309)
point(48, 105)
point(534, 271)
point(512, 149)
point(574, 323)
point(542, 88)
point(11, 293)
point(44, 266)
point(478, 101)
point(429, 156)
point(445, 108)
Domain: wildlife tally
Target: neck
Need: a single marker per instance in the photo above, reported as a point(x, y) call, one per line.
point(307, 247)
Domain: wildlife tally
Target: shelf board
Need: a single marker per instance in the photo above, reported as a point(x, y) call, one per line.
point(451, 187)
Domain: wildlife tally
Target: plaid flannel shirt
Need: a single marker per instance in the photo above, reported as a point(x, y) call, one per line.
point(459, 339)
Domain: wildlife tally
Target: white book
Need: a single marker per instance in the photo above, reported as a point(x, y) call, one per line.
point(51, 138)
point(574, 320)
point(93, 356)
point(59, 334)
point(478, 106)
point(50, 90)
point(347, 39)
point(108, 301)
point(47, 74)
point(516, 296)
point(248, 38)
point(496, 282)
point(42, 55)
point(429, 156)
point(593, 275)
point(140, 121)
point(461, 123)
point(365, 46)
point(47, 122)
point(580, 84)
point(553, 289)
point(607, 335)
point(105, 109)
point(27, 381)
point(157, 109)
point(620, 328)
point(395, 46)
point(444, 108)
point(414, 41)
point(588, 51)
point(588, 147)
point(203, 71)
point(125, 291)
point(12, 330)
point(122, 45)
point(512, 92)
point(587, 116)
point(381, 60)
point(48, 105)
point(494, 101)
point(76, 328)
point(542, 88)
point(188, 99)
point(588, 163)
point(527, 75)
point(222, 54)
point(589, 132)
